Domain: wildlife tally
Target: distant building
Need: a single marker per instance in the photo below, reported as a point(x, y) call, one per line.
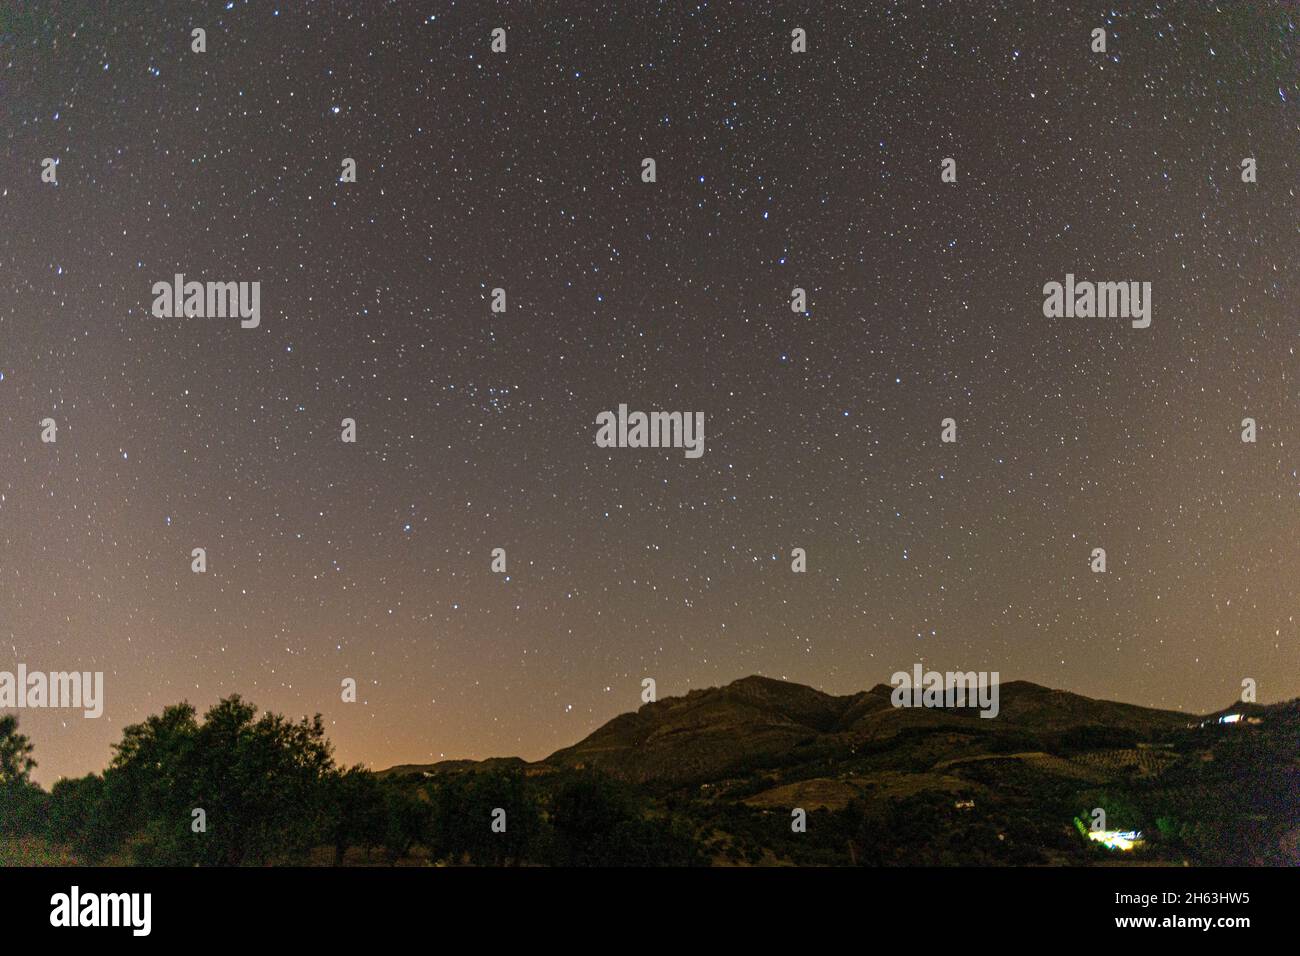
point(1111, 839)
point(1117, 839)
point(1230, 719)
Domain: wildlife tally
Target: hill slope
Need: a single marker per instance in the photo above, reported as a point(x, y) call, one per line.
point(885, 785)
point(758, 721)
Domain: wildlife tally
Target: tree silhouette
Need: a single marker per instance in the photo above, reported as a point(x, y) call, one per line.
point(261, 784)
point(21, 801)
point(357, 816)
point(599, 822)
point(465, 806)
point(16, 761)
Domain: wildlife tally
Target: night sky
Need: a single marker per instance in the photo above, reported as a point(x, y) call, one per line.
point(476, 430)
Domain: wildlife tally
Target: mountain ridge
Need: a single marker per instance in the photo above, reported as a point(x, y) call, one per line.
point(758, 720)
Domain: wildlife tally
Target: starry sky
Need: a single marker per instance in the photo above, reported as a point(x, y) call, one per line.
point(475, 430)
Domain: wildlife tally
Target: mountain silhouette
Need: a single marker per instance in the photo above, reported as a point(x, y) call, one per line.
point(760, 721)
point(887, 785)
point(709, 733)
